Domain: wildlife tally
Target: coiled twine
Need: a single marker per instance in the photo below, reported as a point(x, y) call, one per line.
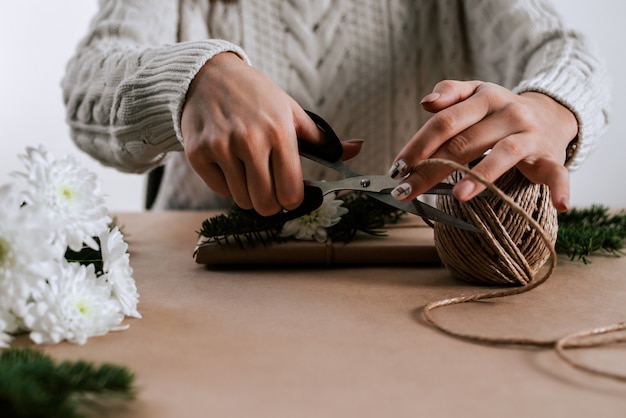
point(509, 251)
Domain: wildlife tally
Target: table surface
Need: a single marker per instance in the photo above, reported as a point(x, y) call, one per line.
point(348, 341)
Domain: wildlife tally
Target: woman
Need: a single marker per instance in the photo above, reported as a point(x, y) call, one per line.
point(227, 82)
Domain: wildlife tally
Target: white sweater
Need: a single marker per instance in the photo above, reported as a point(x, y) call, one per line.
point(363, 65)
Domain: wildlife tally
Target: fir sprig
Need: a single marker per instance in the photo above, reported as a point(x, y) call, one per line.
point(586, 231)
point(365, 214)
point(238, 227)
point(32, 384)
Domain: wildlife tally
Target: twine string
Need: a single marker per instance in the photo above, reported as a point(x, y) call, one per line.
point(577, 340)
point(560, 345)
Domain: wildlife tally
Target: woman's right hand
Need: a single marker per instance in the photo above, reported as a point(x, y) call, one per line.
point(240, 134)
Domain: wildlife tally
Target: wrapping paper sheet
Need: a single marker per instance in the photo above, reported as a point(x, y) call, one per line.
point(408, 242)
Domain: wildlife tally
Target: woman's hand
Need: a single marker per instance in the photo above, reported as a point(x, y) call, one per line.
point(240, 135)
point(529, 131)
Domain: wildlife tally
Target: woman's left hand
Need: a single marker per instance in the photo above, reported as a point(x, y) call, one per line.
point(530, 131)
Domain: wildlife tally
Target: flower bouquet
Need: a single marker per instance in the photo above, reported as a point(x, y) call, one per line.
point(64, 268)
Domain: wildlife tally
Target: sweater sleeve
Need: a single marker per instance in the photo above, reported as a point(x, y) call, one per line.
point(125, 86)
point(524, 46)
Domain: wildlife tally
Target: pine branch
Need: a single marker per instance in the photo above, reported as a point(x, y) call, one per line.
point(583, 232)
point(33, 385)
point(365, 214)
point(239, 227)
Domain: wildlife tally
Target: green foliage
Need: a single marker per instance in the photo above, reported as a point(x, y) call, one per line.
point(583, 232)
point(87, 256)
point(239, 227)
point(33, 385)
point(365, 214)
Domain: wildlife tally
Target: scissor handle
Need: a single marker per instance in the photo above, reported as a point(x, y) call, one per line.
point(330, 150)
point(313, 199)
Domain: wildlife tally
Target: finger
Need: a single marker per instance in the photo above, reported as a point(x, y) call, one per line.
point(235, 175)
point(442, 127)
point(559, 185)
point(214, 178)
point(256, 160)
point(209, 171)
point(449, 92)
point(544, 171)
point(351, 147)
point(505, 155)
point(306, 128)
point(262, 192)
point(419, 181)
point(555, 175)
point(287, 174)
point(285, 159)
point(474, 141)
point(465, 147)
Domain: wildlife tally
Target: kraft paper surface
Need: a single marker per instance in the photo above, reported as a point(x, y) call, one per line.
point(348, 341)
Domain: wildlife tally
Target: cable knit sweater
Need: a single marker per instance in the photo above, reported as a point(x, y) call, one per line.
point(361, 64)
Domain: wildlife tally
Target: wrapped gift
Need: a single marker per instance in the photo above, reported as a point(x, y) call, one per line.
point(409, 241)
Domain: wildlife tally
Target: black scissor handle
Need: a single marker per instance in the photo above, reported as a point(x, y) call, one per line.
point(313, 199)
point(330, 150)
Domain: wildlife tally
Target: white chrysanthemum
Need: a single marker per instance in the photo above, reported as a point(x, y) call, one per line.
point(25, 251)
point(117, 271)
point(72, 305)
point(70, 194)
point(8, 322)
point(313, 226)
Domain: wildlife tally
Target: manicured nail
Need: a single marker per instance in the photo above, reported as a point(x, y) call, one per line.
point(354, 141)
point(563, 205)
point(429, 98)
point(398, 168)
point(401, 191)
point(464, 189)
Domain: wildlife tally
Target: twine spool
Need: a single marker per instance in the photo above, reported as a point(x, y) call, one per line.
point(510, 251)
point(520, 229)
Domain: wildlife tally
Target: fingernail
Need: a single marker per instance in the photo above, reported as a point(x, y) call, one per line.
point(354, 141)
point(563, 205)
point(464, 189)
point(401, 191)
point(429, 98)
point(398, 168)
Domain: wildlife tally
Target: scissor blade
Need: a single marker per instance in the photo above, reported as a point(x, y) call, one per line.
point(375, 184)
point(424, 210)
point(439, 216)
point(378, 184)
point(379, 187)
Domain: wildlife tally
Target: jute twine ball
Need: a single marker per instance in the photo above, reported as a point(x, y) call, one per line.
point(509, 251)
point(520, 228)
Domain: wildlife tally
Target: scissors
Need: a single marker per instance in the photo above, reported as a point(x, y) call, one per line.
point(378, 187)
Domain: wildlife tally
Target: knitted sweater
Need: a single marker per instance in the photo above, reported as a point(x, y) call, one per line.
point(363, 65)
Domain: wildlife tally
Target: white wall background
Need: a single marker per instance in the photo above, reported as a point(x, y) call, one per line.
point(37, 38)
